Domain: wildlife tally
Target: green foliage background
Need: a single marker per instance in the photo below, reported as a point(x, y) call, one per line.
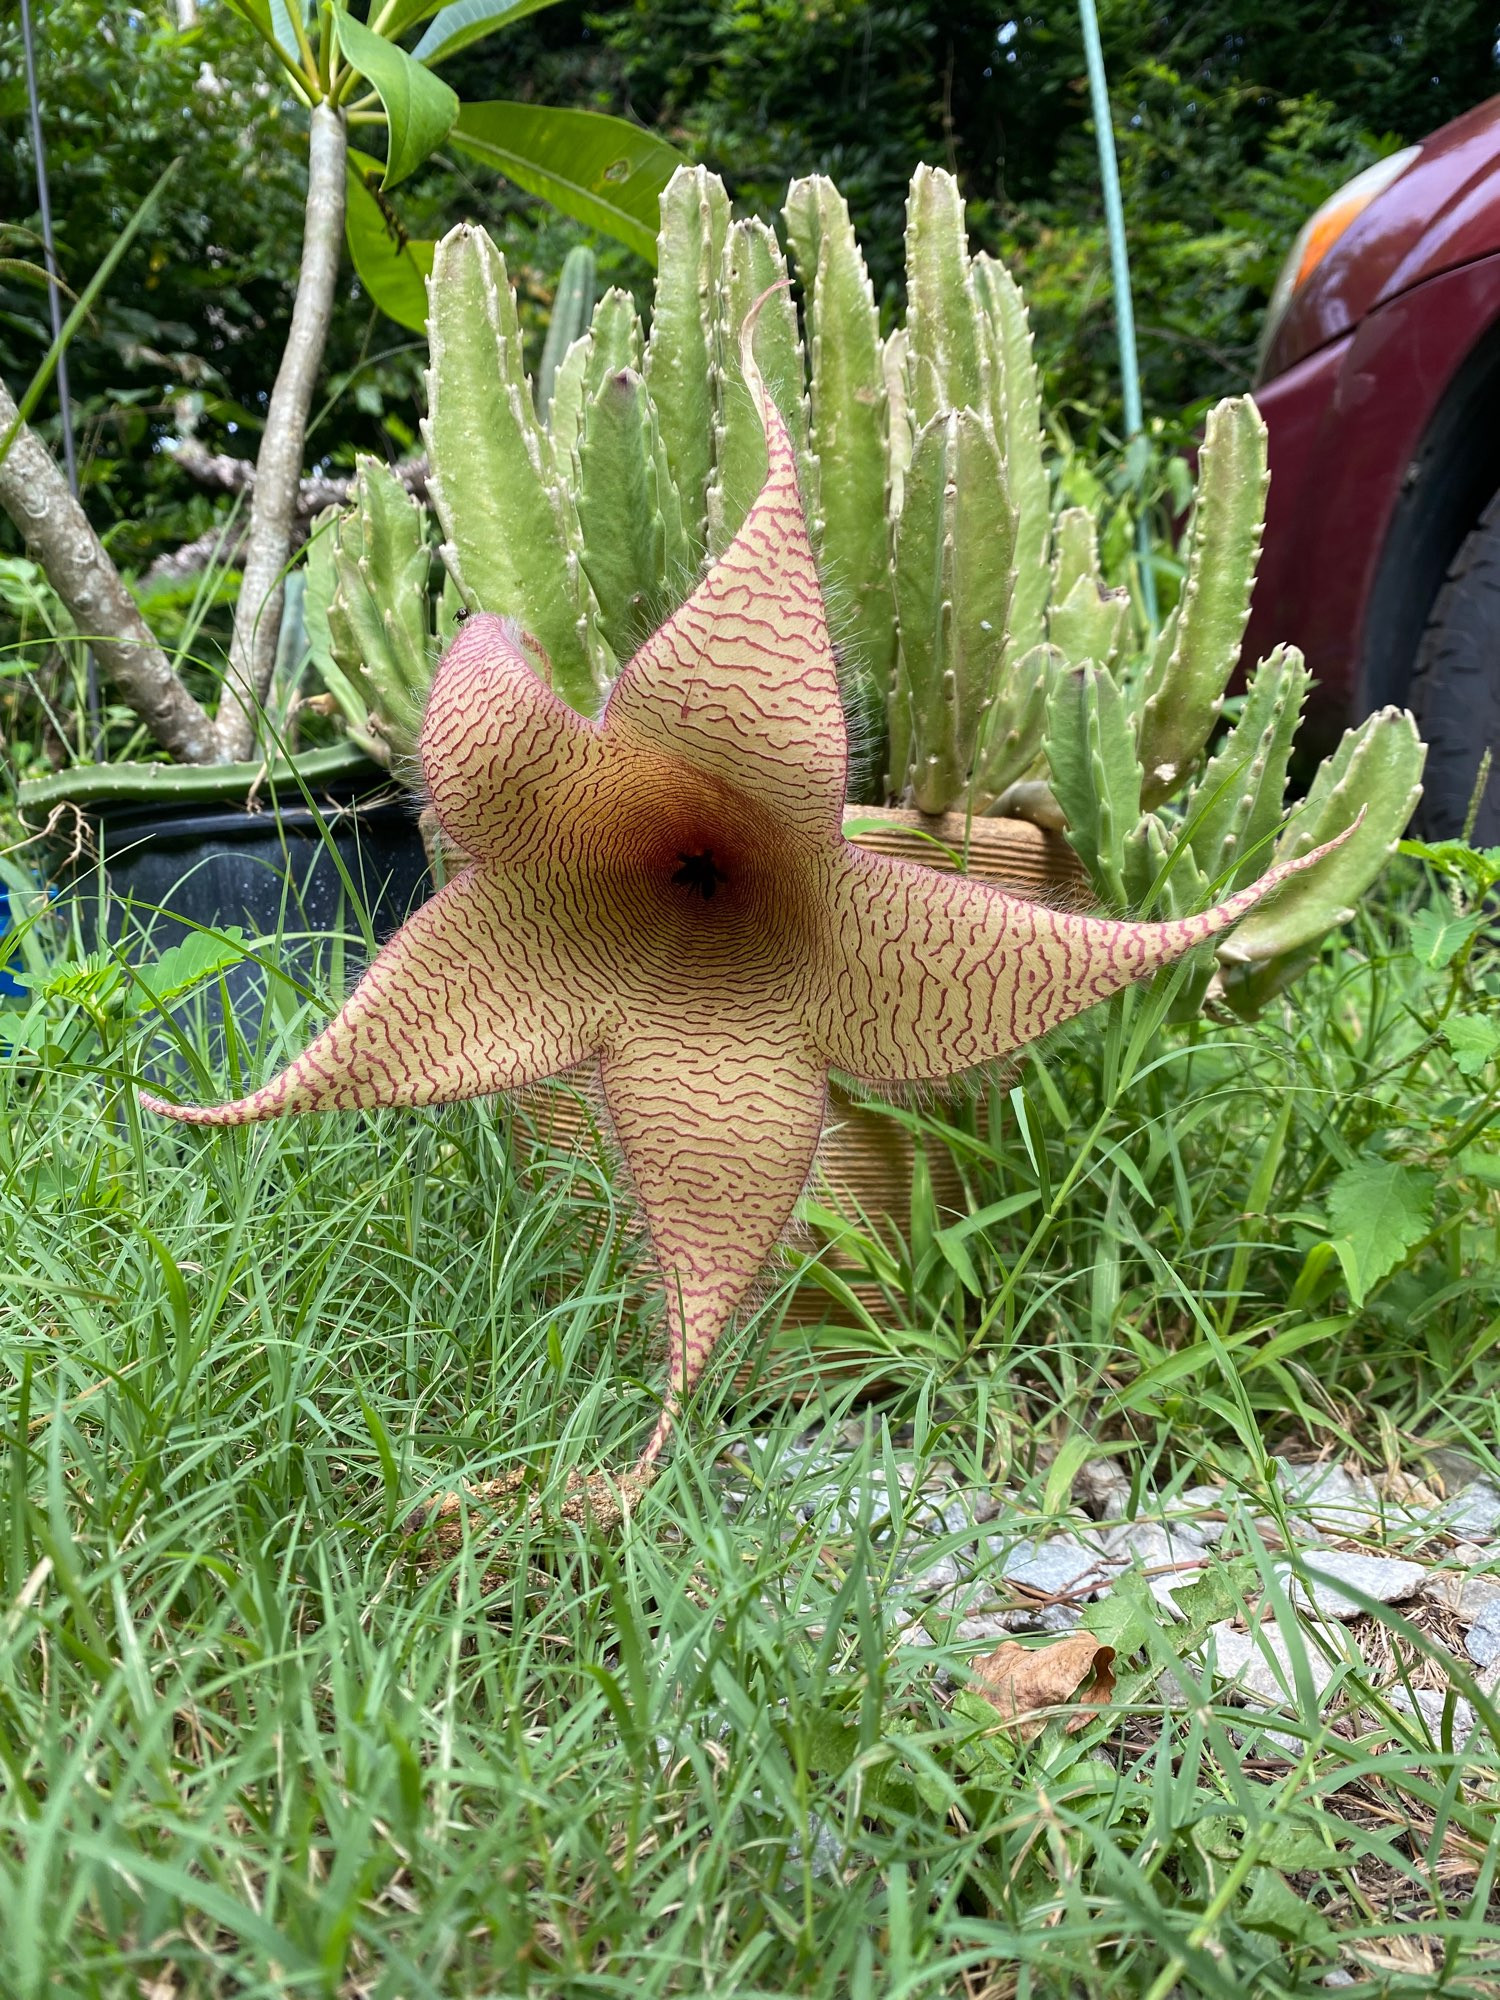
point(1233, 121)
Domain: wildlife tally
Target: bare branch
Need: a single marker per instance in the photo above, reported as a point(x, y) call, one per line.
point(220, 544)
point(257, 620)
point(35, 495)
point(319, 490)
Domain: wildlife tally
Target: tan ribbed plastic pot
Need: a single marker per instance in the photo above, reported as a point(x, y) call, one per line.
point(868, 1159)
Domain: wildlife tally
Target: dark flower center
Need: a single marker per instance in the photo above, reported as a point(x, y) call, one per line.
point(700, 872)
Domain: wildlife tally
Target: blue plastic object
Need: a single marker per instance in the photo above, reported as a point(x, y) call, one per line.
point(10, 987)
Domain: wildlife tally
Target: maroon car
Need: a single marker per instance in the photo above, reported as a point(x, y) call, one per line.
point(1380, 384)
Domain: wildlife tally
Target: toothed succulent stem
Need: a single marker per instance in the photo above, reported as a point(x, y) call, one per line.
point(1200, 644)
point(514, 543)
point(572, 309)
point(981, 642)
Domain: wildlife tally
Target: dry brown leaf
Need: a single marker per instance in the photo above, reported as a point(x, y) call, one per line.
point(1022, 1680)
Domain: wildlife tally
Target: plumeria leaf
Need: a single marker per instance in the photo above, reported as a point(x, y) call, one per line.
point(258, 14)
point(392, 266)
point(467, 21)
point(283, 32)
point(600, 170)
point(405, 15)
point(419, 107)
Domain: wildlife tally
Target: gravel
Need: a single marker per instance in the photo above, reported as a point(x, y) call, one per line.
point(1429, 1704)
point(1059, 1566)
point(1482, 1640)
point(1474, 1513)
point(1384, 1578)
point(1259, 1664)
point(1170, 1557)
point(1463, 1595)
point(1342, 1502)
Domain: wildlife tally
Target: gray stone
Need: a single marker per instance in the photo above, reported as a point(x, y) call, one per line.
point(1456, 1468)
point(945, 1514)
point(942, 1573)
point(1055, 1567)
point(1189, 1508)
point(989, 1627)
point(825, 1852)
point(1463, 1595)
point(1474, 1513)
point(1429, 1705)
point(1382, 1577)
point(1258, 1664)
point(1342, 1502)
point(1101, 1487)
point(1482, 1640)
point(1170, 1558)
point(1468, 1555)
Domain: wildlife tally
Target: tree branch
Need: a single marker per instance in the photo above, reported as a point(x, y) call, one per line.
point(278, 467)
point(35, 495)
point(314, 493)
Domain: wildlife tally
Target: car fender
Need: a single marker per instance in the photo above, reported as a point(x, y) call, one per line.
point(1384, 447)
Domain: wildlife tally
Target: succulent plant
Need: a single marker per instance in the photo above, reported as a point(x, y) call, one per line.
point(368, 615)
point(983, 655)
point(1116, 754)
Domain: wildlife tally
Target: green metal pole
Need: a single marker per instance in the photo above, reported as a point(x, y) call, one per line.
point(1119, 270)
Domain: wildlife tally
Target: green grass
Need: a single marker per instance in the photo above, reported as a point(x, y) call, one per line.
point(251, 1747)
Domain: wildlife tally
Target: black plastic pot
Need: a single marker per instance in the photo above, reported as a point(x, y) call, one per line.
point(264, 870)
point(158, 871)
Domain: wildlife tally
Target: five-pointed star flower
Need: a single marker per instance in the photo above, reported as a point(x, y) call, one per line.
point(666, 893)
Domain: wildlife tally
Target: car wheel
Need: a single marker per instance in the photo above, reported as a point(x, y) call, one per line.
point(1455, 690)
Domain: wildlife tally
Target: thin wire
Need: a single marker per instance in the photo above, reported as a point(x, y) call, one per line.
point(54, 305)
point(1119, 268)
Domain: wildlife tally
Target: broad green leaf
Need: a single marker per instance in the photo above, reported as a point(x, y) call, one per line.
point(1128, 1619)
point(1438, 936)
point(1472, 1039)
point(282, 30)
point(1480, 1166)
point(602, 171)
point(1220, 1592)
point(392, 266)
point(22, 1028)
point(419, 107)
point(469, 21)
point(1274, 1906)
point(1379, 1209)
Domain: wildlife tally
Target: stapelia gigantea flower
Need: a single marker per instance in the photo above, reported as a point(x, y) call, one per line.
point(667, 894)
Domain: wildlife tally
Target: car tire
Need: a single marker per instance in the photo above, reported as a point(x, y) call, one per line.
point(1455, 689)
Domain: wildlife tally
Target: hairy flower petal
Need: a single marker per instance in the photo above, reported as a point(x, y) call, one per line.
point(495, 983)
point(506, 762)
point(669, 889)
point(741, 682)
point(718, 1118)
point(935, 974)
